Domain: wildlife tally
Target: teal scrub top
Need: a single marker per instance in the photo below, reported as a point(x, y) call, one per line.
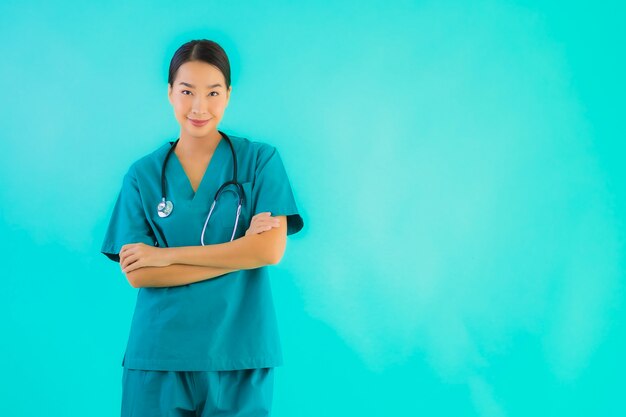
point(223, 323)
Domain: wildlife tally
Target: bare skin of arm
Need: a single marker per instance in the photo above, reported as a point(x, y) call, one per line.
point(247, 252)
point(173, 275)
point(177, 273)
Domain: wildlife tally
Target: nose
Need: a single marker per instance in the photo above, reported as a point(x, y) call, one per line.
point(200, 105)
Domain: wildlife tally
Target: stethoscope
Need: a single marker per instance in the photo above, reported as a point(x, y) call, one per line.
point(165, 207)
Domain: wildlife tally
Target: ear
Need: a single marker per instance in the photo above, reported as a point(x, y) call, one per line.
point(228, 93)
point(169, 92)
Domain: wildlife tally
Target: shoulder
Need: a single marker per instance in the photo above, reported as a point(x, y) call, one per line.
point(249, 146)
point(255, 152)
point(148, 163)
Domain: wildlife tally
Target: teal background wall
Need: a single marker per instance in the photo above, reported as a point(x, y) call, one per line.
point(459, 167)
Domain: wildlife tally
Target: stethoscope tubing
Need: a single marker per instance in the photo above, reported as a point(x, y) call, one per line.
point(165, 207)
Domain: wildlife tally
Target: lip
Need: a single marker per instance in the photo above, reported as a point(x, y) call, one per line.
point(198, 122)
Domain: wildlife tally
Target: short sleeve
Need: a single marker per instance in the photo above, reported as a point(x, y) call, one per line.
point(128, 222)
point(272, 191)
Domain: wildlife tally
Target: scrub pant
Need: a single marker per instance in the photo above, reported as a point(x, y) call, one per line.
point(241, 393)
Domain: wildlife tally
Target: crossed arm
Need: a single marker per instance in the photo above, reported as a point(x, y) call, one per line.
point(166, 267)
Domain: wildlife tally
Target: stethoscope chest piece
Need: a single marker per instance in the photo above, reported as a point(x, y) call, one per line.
point(165, 208)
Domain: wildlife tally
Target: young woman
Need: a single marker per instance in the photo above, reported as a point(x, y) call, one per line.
point(194, 227)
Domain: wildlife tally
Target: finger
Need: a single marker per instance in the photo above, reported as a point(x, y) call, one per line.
point(124, 258)
point(257, 223)
point(133, 260)
point(129, 260)
point(132, 266)
point(262, 214)
point(258, 229)
point(123, 252)
point(126, 247)
point(267, 220)
point(262, 222)
point(273, 221)
point(270, 224)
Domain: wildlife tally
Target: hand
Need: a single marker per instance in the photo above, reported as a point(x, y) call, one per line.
point(137, 255)
point(262, 222)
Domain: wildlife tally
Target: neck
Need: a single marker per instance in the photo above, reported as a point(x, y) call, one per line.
point(197, 147)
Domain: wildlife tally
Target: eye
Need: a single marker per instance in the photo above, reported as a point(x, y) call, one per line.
point(187, 91)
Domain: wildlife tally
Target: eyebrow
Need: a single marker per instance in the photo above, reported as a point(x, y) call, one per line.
point(193, 86)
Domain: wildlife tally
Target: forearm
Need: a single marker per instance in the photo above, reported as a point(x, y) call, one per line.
point(247, 252)
point(173, 275)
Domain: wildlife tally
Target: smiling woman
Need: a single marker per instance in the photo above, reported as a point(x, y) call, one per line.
point(199, 104)
point(202, 282)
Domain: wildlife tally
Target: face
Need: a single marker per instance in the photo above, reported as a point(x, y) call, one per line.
point(199, 93)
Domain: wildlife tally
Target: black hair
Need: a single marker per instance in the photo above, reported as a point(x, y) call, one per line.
point(200, 50)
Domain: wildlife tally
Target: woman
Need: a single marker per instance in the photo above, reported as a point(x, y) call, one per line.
point(204, 339)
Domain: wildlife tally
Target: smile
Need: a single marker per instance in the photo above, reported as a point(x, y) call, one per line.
point(199, 122)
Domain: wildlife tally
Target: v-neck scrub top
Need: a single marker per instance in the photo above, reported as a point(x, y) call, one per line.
point(222, 323)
